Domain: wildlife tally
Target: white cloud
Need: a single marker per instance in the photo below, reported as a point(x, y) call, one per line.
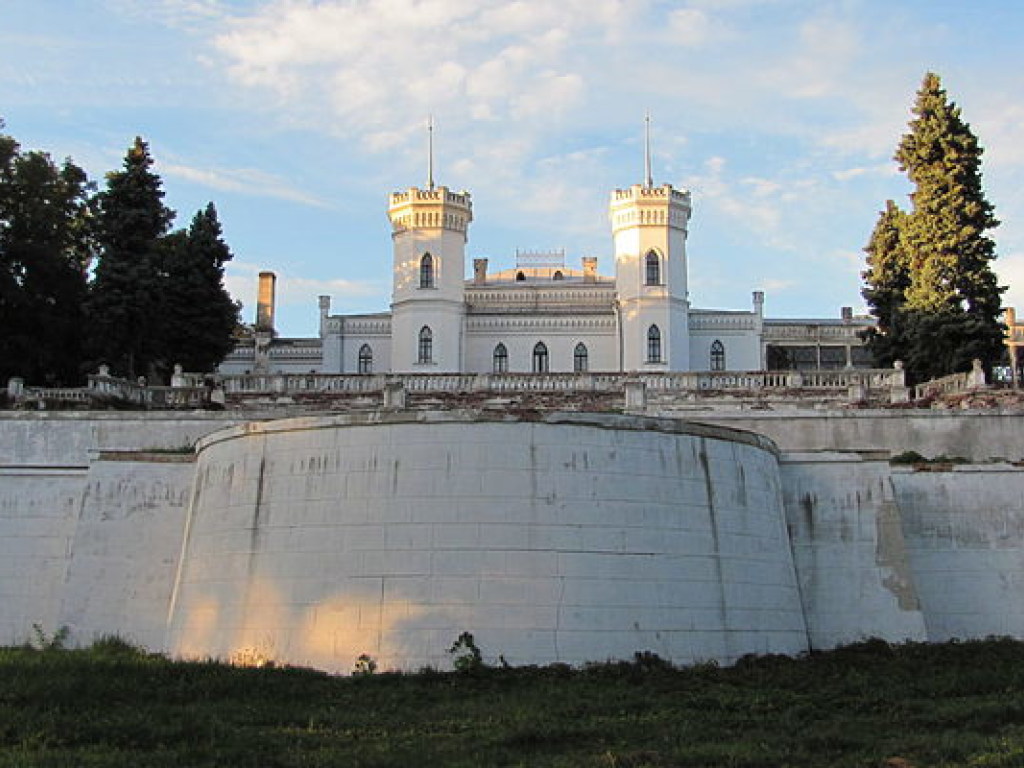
point(241, 279)
point(247, 181)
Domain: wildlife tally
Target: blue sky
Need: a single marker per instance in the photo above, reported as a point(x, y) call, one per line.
point(297, 118)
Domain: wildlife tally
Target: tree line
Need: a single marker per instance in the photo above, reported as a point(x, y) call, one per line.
point(93, 276)
point(929, 280)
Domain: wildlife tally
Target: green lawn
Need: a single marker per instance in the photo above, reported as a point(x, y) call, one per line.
point(869, 704)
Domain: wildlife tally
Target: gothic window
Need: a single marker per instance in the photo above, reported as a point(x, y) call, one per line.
point(427, 271)
point(579, 358)
point(540, 358)
point(426, 348)
point(365, 359)
point(717, 356)
point(653, 344)
point(500, 358)
point(652, 269)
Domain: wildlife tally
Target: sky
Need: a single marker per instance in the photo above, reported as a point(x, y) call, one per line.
point(297, 118)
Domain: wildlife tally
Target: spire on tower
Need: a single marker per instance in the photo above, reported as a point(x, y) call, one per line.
point(430, 152)
point(648, 179)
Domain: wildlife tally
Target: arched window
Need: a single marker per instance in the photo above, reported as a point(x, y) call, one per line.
point(365, 359)
point(717, 356)
point(427, 271)
point(540, 358)
point(558, 275)
point(426, 349)
point(652, 269)
point(653, 344)
point(579, 358)
point(500, 359)
point(520, 276)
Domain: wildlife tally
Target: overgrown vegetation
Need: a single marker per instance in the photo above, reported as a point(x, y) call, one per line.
point(870, 704)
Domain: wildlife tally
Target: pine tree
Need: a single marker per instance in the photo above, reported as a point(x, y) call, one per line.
point(125, 295)
point(887, 279)
point(954, 296)
point(202, 314)
point(45, 249)
point(948, 313)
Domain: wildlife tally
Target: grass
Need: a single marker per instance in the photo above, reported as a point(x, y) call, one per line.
point(870, 704)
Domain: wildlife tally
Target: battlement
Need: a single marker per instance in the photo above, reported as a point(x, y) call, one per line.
point(436, 208)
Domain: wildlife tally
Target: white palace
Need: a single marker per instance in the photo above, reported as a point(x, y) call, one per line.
point(545, 316)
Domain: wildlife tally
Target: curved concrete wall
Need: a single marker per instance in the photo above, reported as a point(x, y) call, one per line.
point(566, 539)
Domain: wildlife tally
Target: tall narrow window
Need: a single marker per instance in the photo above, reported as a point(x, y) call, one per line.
point(426, 349)
point(365, 359)
point(652, 269)
point(717, 356)
point(579, 358)
point(540, 358)
point(500, 359)
point(653, 344)
point(427, 271)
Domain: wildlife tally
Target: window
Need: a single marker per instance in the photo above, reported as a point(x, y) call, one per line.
point(558, 275)
point(653, 345)
point(426, 351)
point(500, 359)
point(365, 359)
point(579, 358)
point(540, 358)
point(717, 356)
point(520, 276)
point(427, 271)
point(652, 269)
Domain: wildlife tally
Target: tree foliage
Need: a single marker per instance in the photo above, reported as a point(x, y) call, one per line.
point(45, 250)
point(929, 280)
point(199, 313)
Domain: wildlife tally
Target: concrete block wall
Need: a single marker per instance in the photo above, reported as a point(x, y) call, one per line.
point(856, 578)
point(316, 540)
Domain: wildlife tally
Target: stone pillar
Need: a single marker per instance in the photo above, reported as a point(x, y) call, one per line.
point(589, 269)
point(795, 380)
point(636, 396)
point(178, 377)
point(976, 378)
point(265, 302)
point(857, 391)
point(15, 387)
point(394, 395)
point(899, 392)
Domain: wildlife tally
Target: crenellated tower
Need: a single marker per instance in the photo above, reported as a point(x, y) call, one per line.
point(429, 229)
point(649, 228)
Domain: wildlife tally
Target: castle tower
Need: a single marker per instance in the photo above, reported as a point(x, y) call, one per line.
point(429, 228)
point(649, 232)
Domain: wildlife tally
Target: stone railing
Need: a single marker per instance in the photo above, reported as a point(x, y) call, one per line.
point(954, 384)
point(192, 391)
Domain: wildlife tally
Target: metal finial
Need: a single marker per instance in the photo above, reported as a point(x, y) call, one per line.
point(430, 152)
point(648, 178)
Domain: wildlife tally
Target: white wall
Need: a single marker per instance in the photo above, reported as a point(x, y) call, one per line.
point(318, 540)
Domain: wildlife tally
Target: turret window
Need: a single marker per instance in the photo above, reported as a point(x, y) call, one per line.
point(365, 359)
point(426, 346)
point(500, 359)
point(717, 356)
point(540, 358)
point(653, 344)
point(579, 358)
point(652, 269)
point(427, 271)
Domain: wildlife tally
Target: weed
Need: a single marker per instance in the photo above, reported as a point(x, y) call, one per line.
point(365, 665)
point(57, 642)
point(466, 656)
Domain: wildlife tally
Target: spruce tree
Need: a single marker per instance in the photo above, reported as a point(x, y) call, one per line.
point(932, 288)
point(125, 297)
point(200, 313)
point(887, 279)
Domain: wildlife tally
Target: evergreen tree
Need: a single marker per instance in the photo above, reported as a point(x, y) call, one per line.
point(949, 310)
point(887, 279)
point(45, 249)
point(125, 297)
point(200, 313)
